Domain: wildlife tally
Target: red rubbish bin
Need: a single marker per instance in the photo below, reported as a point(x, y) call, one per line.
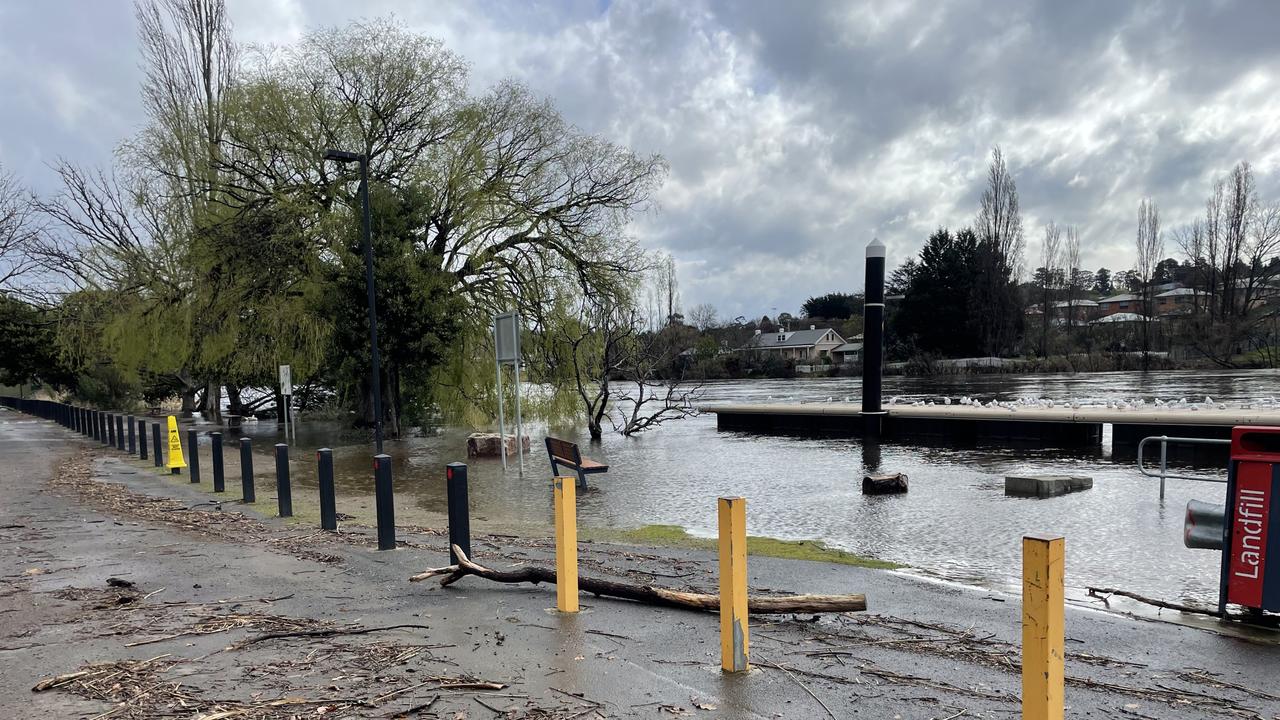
point(1253, 520)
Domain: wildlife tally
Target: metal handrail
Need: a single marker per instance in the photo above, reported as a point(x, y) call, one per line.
point(1164, 457)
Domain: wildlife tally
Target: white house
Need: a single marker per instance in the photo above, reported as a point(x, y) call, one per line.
point(804, 346)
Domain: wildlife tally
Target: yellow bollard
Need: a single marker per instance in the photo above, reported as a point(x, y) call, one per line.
point(733, 584)
point(1043, 613)
point(566, 545)
point(176, 461)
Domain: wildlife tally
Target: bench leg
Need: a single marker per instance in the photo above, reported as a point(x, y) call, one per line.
point(582, 480)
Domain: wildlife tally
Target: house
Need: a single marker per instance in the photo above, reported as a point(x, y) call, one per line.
point(1179, 301)
point(1123, 303)
point(849, 353)
point(1081, 311)
point(804, 346)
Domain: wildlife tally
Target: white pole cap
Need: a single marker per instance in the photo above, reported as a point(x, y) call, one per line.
point(875, 249)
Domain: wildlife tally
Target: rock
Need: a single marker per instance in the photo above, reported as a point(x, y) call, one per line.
point(884, 484)
point(490, 444)
point(1043, 486)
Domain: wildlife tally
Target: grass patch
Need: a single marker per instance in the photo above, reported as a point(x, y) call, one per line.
point(675, 536)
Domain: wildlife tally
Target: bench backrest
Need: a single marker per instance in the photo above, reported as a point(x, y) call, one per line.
point(564, 450)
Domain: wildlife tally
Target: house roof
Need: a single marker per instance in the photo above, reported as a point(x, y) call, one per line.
point(1119, 318)
point(848, 347)
point(1123, 297)
point(1075, 303)
point(1180, 291)
point(795, 338)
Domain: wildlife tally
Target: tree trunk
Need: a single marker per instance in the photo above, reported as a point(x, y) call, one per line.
point(213, 401)
point(188, 401)
point(646, 593)
point(235, 405)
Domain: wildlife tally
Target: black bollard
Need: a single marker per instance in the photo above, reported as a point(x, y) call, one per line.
point(284, 495)
point(873, 349)
point(110, 438)
point(142, 439)
point(246, 471)
point(132, 444)
point(385, 501)
point(193, 450)
point(155, 444)
point(120, 432)
point(455, 475)
point(219, 481)
point(328, 504)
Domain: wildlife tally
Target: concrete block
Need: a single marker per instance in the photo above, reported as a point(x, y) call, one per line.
point(1043, 486)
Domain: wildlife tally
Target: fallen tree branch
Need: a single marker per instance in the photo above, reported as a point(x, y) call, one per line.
point(1098, 592)
point(645, 593)
point(329, 632)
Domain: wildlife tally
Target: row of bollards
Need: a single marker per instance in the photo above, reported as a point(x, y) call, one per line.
point(127, 434)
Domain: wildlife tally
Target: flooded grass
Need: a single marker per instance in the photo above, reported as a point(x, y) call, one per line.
point(675, 536)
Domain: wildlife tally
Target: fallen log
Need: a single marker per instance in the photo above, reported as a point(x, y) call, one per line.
point(644, 593)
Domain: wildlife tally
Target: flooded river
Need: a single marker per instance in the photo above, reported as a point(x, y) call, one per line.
point(955, 523)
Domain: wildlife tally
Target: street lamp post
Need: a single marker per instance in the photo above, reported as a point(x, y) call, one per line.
point(376, 375)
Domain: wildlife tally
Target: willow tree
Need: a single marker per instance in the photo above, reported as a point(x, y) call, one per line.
point(488, 198)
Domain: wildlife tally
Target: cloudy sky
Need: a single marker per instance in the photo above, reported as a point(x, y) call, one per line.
point(795, 131)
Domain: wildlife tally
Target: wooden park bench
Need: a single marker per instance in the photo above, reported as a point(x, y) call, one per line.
point(565, 454)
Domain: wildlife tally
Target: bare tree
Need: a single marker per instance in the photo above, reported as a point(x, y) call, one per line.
point(703, 316)
point(668, 284)
point(1071, 262)
point(18, 232)
point(999, 220)
point(1150, 249)
point(1050, 255)
point(190, 60)
point(1191, 238)
point(1001, 245)
point(647, 404)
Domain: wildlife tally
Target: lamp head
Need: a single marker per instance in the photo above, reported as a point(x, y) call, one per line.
point(341, 156)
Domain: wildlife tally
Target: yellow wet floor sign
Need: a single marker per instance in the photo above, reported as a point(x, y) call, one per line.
point(175, 446)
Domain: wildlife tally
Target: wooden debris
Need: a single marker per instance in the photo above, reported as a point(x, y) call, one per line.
point(645, 593)
point(1099, 592)
point(891, 484)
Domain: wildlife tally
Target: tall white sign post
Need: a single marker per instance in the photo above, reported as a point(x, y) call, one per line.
point(286, 390)
point(506, 343)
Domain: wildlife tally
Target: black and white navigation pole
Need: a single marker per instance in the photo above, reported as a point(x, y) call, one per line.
point(873, 339)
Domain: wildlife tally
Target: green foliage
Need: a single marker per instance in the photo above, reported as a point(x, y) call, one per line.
point(937, 310)
point(833, 306)
point(29, 353)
